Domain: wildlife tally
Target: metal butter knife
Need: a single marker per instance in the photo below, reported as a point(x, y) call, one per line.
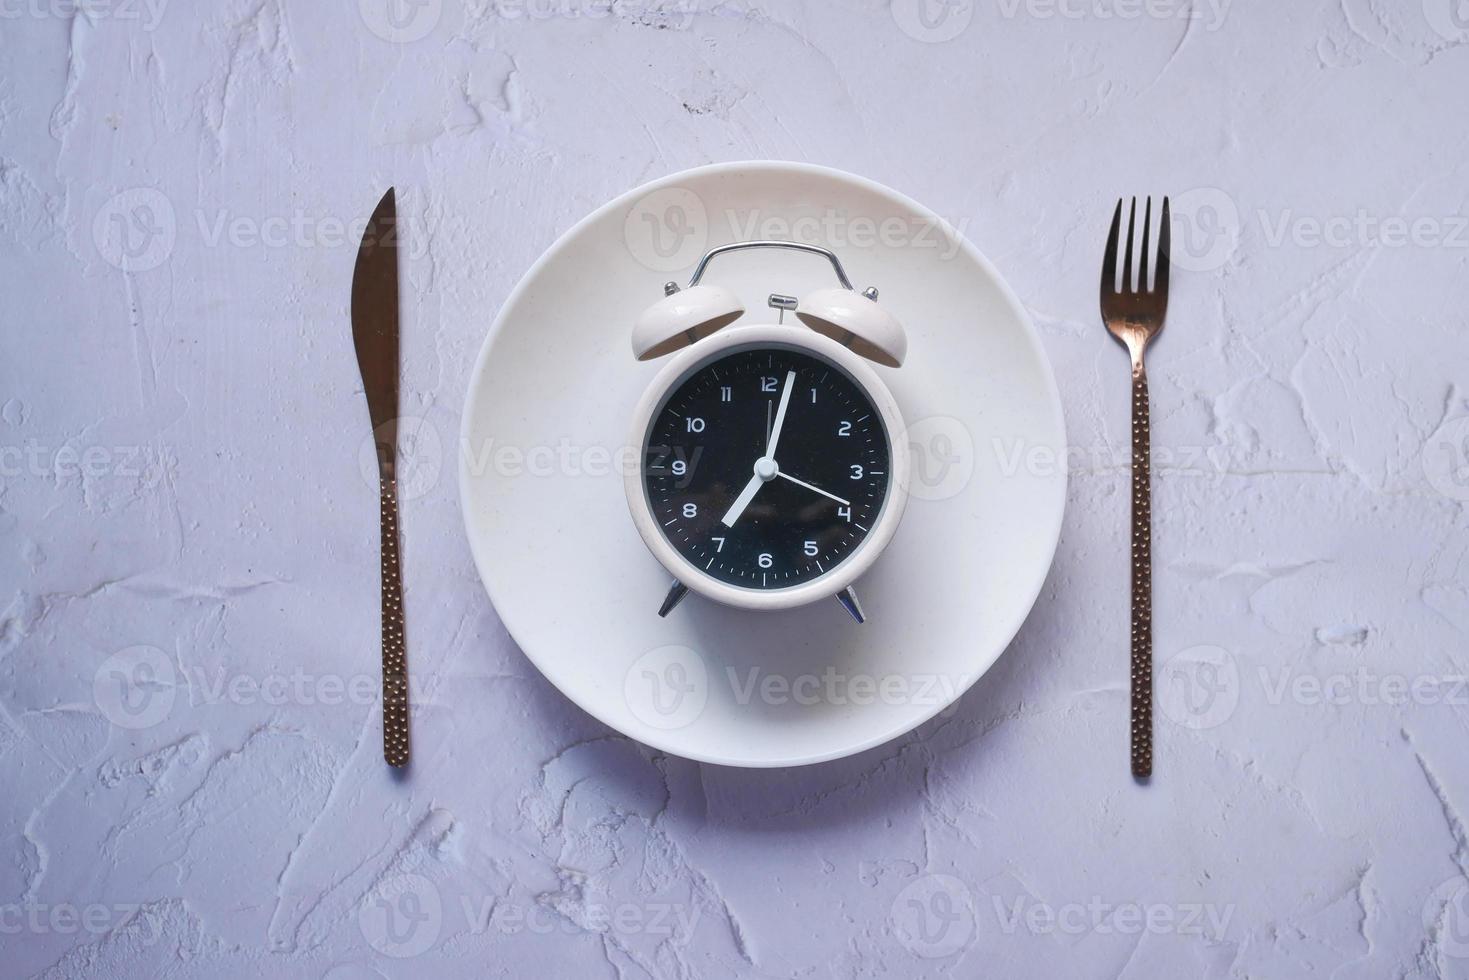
point(375, 335)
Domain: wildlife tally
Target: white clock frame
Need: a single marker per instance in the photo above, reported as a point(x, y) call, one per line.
point(767, 335)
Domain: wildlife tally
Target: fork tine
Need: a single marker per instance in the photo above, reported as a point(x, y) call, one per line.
point(1142, 266)
point(1165, 238)
point(1109, 260)
point(1127, 275)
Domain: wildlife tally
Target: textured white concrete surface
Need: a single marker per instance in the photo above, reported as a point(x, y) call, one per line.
point(189, 756)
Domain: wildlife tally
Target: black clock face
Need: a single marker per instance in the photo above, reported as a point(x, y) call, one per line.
point(749, 516)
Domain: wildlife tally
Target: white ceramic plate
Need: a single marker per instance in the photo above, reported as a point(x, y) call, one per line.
point(543, 450)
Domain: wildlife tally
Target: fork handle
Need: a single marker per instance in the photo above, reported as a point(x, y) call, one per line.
point(395, 654)
point(1142, 580)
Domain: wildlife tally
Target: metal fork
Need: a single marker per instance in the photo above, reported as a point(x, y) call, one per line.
point(1134, 315)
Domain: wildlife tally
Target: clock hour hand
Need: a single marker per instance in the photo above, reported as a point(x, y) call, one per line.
point(802, 483)
point(742, 501)
point(765, 471)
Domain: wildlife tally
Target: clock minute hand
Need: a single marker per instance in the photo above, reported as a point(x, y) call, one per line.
point(780, 414)
point(765, 467)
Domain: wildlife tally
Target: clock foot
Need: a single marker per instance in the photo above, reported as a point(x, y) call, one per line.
point(674, 597)
point(848, 598)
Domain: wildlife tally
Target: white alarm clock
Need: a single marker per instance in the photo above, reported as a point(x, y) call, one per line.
point(774, 463)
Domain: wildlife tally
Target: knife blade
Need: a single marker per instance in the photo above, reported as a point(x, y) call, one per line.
point(375, 336)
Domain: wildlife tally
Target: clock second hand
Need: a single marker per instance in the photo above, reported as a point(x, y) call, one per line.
point(802, 483)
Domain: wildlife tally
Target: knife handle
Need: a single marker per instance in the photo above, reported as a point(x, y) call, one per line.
point(1142, 581)
point(395, 650)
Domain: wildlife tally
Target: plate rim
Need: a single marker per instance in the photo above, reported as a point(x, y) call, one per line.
point(1032, 340)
